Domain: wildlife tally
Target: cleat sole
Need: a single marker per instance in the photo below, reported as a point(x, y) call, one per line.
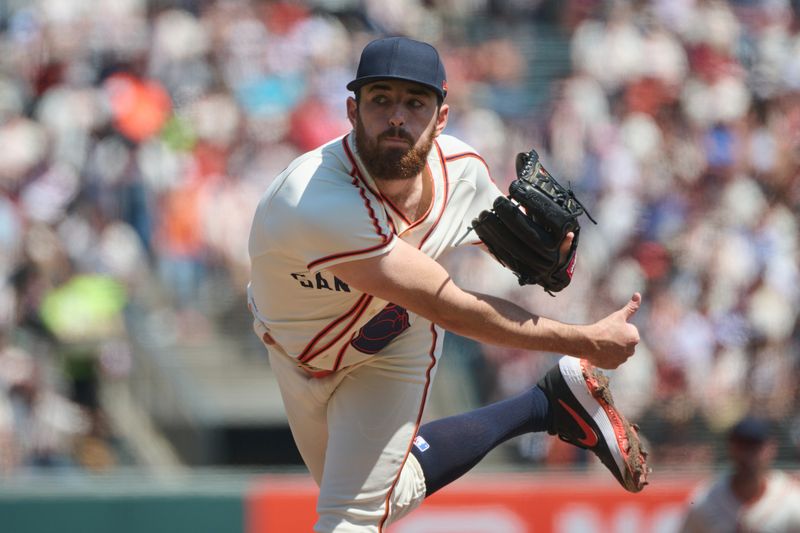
point(633, 455)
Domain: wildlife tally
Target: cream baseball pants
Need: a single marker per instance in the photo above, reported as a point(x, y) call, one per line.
point(354, 429)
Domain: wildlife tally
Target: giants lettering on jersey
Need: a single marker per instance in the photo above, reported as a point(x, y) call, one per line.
point(319, 282)
point(390, 322)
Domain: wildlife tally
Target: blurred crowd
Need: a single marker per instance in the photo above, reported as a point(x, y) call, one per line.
point(681, 122)
point(137, 137)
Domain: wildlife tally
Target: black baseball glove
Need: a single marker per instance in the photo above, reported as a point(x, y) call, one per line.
point(525, 230)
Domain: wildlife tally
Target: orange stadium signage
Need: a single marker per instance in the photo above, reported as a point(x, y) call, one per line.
point(508, 503)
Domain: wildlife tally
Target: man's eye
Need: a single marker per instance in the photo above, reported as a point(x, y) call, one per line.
point(379, 99)
point(416, 103)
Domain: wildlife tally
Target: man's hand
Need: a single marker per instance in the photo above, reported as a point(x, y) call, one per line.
point(615, 338)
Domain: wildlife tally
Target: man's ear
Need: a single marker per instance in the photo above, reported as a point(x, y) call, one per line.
point(352, 110)
point(441, 119)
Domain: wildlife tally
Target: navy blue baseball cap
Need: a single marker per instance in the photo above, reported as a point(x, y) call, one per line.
point(401, 58)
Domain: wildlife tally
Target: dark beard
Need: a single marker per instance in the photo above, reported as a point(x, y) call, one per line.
point(392, 163)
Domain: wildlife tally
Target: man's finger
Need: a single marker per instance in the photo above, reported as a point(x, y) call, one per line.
point(566, 245)
point(632, 306)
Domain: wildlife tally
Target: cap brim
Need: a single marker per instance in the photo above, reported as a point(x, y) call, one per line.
point(356, 84)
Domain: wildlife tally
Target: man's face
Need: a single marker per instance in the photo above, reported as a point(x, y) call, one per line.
point(395, 124)
point(751, 457)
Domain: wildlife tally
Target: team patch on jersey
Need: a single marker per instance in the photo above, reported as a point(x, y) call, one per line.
point(421, 443)
point(373, 337)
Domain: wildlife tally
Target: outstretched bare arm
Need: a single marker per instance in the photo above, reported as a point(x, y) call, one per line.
point(409, 278)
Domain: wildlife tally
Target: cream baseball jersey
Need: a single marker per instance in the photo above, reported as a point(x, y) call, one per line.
point(325, 209)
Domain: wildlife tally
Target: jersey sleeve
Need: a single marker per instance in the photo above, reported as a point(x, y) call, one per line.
point(326, 219)
point(486, 191)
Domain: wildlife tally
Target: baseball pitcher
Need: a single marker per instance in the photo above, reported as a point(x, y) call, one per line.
point(350, 301)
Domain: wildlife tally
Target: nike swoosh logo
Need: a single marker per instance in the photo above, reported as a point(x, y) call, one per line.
point(589, 436)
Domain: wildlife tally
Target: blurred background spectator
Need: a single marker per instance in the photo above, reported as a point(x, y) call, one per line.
point(752, 495)
point(138, 135)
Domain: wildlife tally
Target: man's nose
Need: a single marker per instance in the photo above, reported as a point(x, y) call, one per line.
point(397, 119)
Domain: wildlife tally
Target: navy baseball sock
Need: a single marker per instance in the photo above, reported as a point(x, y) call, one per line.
point(447, 448)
